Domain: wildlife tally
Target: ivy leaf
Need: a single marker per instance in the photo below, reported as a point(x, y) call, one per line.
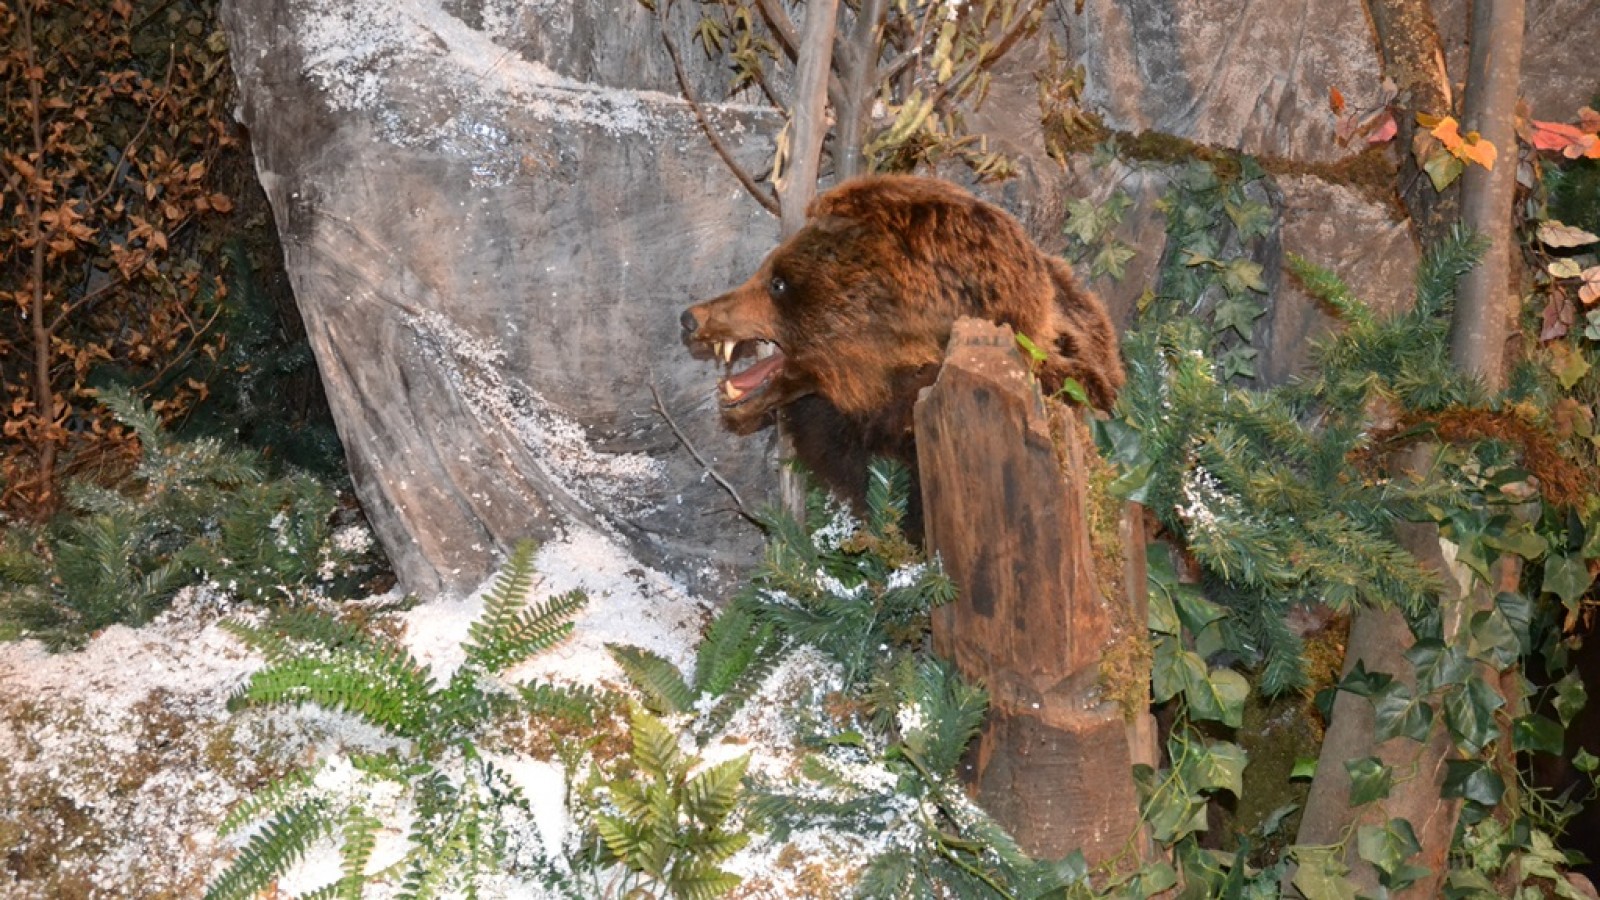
point(1112, 261)
point(1370, 780)
point(1194, 610)
point(1492, 640)
point(1469, 714)
point(1304, 767)
point(1218, 697)
point(1250, 219)
point(1073, 390)
point(1585, 762)
point(1322, 872)
point(1537, 733)
point(1472, 779)
point(1387, 847)
point(1031, 349)
point(1241, 275)
point(1174, 669)
point(1399, 714)
point(1567, 577)
point(1238, 362)
point(1571, 697)
point(1085, 221)
point(1363, 683)
point(1217, 766)
point(1239, 313)
point(1438, 665)
point(1518, 610)
point(1518, 539)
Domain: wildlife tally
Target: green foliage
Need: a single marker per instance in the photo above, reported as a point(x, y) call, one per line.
point(673, 825)
point(191, 511)
point(463, 809)
point(851, 593)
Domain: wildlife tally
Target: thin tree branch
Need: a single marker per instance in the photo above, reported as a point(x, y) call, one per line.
point(762, 196)
point(661, 410)
point(807, 116)
point(782, 26)
point(853, 108)
point(1025, 20)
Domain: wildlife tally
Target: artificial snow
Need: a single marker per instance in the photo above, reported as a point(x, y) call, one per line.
point(119, 762)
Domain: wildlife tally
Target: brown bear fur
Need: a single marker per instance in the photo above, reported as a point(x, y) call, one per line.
point(858, 305)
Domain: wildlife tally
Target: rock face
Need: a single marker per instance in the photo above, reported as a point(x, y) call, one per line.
point(1248, 75)
point(490, 259)
point(494, 210)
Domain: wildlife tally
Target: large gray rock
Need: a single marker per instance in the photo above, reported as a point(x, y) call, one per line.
point(490, 259)
point(1249, 75)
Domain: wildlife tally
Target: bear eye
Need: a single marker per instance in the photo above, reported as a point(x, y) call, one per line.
point(778, 286)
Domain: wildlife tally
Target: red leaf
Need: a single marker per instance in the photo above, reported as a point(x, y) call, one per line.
point(1558, 318)
point(1335, 100)
point(1554, 135)
point(1386, 130)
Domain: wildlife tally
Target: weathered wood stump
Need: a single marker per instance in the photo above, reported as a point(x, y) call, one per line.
point(1005, 502)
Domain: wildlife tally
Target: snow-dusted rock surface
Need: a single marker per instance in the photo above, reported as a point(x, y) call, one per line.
point(490, 256)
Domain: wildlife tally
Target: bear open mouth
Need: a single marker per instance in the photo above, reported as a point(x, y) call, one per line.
point(739, 388)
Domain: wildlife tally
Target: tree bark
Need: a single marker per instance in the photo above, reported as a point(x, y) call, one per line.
point(1485, 305)
point(808, 121)
point(1413, 58)
point(1004, 499)
point(858, 79)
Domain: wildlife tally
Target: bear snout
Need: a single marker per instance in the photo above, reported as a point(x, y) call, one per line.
point(690, 322)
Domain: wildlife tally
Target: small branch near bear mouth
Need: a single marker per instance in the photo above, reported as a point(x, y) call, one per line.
point(744, 512)
point(764, 197)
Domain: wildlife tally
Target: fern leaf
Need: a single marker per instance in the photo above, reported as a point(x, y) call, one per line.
point(281, 843)
point(272, 798)
point(700, 880)
point(655, 748)
point(505, 599)
point(536, 628)
point(385, 687)
point(660, 681)
point(731, 644)
point(360, 837)
point(578, 705)
point(710, 796)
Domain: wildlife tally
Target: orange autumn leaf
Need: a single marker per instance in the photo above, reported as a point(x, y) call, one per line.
point(1335, 100)
point(1469, 147)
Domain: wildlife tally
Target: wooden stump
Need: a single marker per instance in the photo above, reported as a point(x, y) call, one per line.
point(1004, 501)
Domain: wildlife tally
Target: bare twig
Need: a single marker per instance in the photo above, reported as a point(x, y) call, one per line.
point(661, 410)
point(782, 27)
point(858, 66)
point(762, 195)
point(1019, 27)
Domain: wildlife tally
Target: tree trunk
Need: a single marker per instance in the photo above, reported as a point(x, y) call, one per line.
point(808, 121)
point(1479, 332)
point(1004, 499)
point(1486, 305)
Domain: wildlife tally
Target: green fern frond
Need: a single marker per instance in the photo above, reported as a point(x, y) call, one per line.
point(281, 843)
point(529, 631)
point(655, 747)
point(267, 800)
point(579, 705)
point(659, 680)
point(710, 796)
point(504, 601)
point(700, 880)
point(733, 641)
point(360, 833)
point(386, 688)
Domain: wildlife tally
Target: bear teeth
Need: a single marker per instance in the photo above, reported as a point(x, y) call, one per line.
point(725, 351)
point(731, 392)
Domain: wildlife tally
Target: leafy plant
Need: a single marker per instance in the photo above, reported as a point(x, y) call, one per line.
point(190, 511)
point(674, 824)
point(463, 809)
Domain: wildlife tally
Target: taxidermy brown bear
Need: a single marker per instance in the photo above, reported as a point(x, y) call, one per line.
point(847, 320)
